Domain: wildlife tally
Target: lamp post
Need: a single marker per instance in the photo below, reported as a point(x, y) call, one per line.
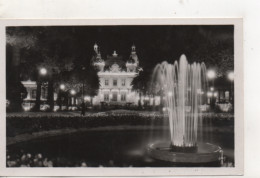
point(211, 75)
point(62, 87)
point(61, 95)
point(83, 83)
point(231, 78)
point(42, 72)
point(73, 92)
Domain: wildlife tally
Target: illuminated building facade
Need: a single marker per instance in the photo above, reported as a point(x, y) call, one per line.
point(115, 76)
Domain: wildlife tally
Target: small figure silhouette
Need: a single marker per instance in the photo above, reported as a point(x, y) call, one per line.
point(83, 109)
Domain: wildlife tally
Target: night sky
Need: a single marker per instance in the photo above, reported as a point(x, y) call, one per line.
point(154, 44)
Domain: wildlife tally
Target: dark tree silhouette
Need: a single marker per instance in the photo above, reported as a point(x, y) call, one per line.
point(50, 51)
point(84, 80)
point(140, 84)
point(16, 40)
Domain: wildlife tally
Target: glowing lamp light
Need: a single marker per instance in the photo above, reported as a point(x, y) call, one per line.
point(231, 76)
point(73, 92)
point(211, 88)
point(62, 87)
point(164, 109)
point(209, 94)
point(215, 94)
point(26, 108)
point(43, 71)
point(86, 98)
point(211, 74)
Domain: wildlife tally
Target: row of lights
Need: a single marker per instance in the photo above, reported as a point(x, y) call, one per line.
point(43, 72)
point(73, 92)
point(211, 74)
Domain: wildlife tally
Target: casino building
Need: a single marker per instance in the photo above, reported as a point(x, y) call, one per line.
point(115, 76)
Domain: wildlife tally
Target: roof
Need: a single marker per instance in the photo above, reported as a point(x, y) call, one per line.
point(114, 60)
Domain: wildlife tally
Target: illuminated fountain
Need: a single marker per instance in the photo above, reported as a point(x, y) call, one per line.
point(182, 87)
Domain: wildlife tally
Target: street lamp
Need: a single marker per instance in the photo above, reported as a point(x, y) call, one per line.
point(164, 109)
point(83, 87)
point(72, 92)
point(211, 74)
point(62, 87)
point(209, 94)
point(43, 71)
point(87, 98)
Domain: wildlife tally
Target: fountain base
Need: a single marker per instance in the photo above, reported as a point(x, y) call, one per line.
point(190, 149)
point(203, 153)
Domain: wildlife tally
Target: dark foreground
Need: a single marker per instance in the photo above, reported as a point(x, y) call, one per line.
point(105, 148)
point(111, 147)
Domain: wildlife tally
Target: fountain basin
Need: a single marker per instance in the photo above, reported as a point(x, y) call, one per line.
point(206, 153)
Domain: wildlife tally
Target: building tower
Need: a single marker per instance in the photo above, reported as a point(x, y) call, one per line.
point(132, 63)
point(97, 60)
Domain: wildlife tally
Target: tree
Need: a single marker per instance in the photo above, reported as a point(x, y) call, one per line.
point(84, 80)
point(140, 84)
point(51, 50)
point(91, 82)
point(17, 39)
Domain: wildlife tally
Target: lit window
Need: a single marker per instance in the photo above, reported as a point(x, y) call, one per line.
point(106, 82)
point(123, 82)
point(115, 82)
point(106, 97)
point(123, 97)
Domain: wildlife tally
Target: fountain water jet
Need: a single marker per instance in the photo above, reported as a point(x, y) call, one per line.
point(183, 85)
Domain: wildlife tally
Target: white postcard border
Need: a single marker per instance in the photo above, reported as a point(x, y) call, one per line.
point(239, 101)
